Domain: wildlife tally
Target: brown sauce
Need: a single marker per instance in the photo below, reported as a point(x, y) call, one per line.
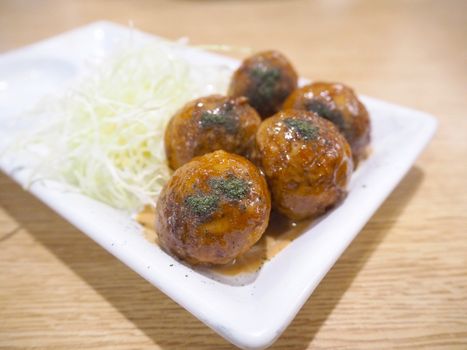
point(278, 235)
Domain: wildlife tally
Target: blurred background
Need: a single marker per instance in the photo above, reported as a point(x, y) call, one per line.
point(401, 284)
point(412, 45)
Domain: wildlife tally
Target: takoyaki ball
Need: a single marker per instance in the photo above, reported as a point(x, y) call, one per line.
point(266, 79)
point(208, 124)
point(339, 104)
point(307, 162)
point(213, 209)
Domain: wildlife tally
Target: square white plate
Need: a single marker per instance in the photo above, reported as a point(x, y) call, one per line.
point(250, 315)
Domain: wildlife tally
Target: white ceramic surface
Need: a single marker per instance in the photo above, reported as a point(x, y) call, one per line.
point(250, 312)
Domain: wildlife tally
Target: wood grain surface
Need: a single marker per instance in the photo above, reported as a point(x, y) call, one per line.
point(401, 284)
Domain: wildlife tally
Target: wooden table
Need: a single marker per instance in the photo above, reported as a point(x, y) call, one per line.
point(401, 284)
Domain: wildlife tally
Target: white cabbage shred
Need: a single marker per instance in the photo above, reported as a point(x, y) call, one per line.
point(105, 135)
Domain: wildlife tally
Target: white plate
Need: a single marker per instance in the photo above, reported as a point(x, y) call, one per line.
point(252, 315)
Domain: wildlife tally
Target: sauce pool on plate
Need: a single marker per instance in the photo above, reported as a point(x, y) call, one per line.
point(278, 235)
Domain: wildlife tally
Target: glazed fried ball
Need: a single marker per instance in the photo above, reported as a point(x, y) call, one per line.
point(208, 124)
point(307, 162)
point(213, 209)
point(339, 104)
point(266, 79)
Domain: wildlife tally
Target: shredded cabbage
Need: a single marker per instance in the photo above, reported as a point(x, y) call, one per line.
point(105, 135)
